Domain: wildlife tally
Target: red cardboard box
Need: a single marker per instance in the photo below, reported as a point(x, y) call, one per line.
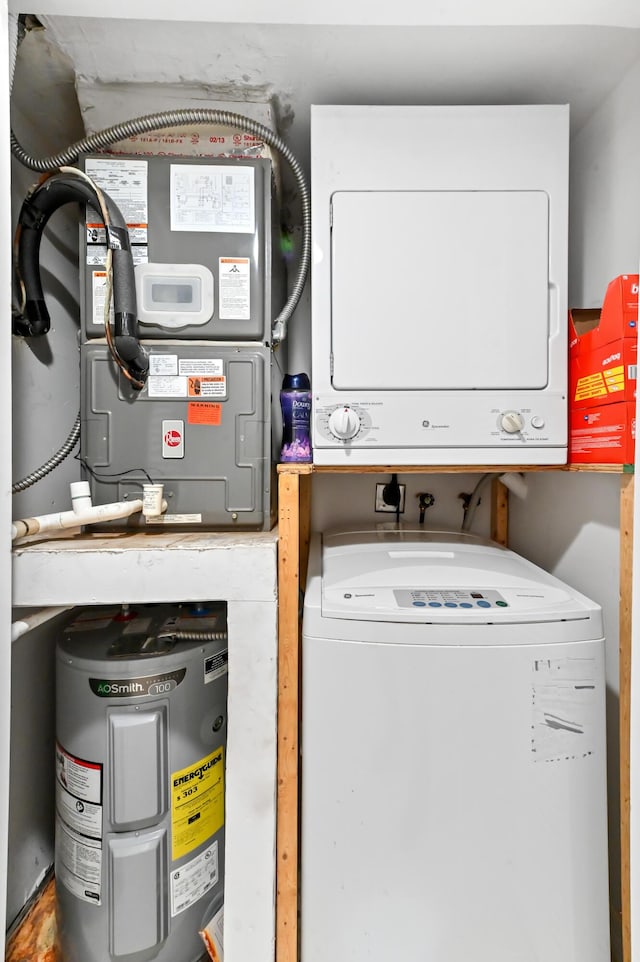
point(582, 320)
point(606, 374)
point(603, 348)
point(603, 435)
point(593, 328)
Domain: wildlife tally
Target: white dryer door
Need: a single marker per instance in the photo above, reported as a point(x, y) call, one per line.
point(440, 290)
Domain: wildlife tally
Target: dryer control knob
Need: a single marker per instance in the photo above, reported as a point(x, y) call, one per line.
point(512, 422)
point(344, 423)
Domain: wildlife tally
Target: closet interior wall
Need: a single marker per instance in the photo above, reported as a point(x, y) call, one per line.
point(568, 523)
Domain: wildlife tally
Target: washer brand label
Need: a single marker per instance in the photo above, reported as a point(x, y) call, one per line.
point(149, 685)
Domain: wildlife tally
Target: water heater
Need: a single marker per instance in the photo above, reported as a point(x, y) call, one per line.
point(439, 296)
point(140, 761)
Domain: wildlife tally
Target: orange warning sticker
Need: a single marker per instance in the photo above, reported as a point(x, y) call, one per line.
point(206, 387)
point(201, 412)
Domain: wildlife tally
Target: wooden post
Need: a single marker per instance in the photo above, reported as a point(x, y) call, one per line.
point(305, 526)
point(288, 733)
point(626, 576)
point(499, 512)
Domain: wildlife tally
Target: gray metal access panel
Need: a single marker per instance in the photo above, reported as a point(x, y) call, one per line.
point(201, 236)
point(201, 426)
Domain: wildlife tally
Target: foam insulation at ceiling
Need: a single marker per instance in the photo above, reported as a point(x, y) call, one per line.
point(291, 66)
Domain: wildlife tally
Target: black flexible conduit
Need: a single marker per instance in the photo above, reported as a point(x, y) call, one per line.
point(177, 118)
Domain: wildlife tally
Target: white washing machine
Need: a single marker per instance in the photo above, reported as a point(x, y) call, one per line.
point(453, 756)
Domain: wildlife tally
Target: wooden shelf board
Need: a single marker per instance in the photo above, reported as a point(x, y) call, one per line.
point(290, 468)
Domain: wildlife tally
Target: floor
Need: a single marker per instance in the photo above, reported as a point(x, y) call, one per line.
point(34, 937)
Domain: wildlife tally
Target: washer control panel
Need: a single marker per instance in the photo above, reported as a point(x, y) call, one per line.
point(449, 598)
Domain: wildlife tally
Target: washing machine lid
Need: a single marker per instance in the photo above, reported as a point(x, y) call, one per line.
point(438, 577)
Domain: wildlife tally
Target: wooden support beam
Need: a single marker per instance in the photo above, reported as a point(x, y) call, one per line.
point(288, 730)
point(305, 526)
point(499, 512)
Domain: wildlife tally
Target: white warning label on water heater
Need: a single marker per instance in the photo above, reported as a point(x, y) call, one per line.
point(79, 825)
point(193, 879)
point(215, 666)
point(234, 285)
point(78, 863)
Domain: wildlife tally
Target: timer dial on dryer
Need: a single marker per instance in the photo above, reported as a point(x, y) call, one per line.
point(512, 422)
point(344, 423)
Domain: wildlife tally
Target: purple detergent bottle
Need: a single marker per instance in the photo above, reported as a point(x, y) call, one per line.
point(295, 400)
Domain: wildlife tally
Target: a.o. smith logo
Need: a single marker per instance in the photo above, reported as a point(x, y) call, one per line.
point(147, 685)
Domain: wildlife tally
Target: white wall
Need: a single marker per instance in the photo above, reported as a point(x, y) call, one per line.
point(569, 524)
point(31, 805)
point(605, 190)
point(45, 119)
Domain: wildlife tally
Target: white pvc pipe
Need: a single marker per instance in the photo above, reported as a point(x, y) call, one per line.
point(73, 519)
point(23, 625)
point(80, 496)
point(515, 483)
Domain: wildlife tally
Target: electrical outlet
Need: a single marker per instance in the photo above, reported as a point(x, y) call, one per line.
point(381, 504)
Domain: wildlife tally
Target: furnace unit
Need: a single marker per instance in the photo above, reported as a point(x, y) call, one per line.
point(208, 279)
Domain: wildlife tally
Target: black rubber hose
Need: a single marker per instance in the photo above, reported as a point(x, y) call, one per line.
point(35, 212)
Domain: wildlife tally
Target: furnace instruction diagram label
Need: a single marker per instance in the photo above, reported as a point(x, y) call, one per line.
point(208, 197)
point(197, 803)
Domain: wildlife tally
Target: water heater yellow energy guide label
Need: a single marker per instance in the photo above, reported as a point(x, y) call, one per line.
point(197, 803)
